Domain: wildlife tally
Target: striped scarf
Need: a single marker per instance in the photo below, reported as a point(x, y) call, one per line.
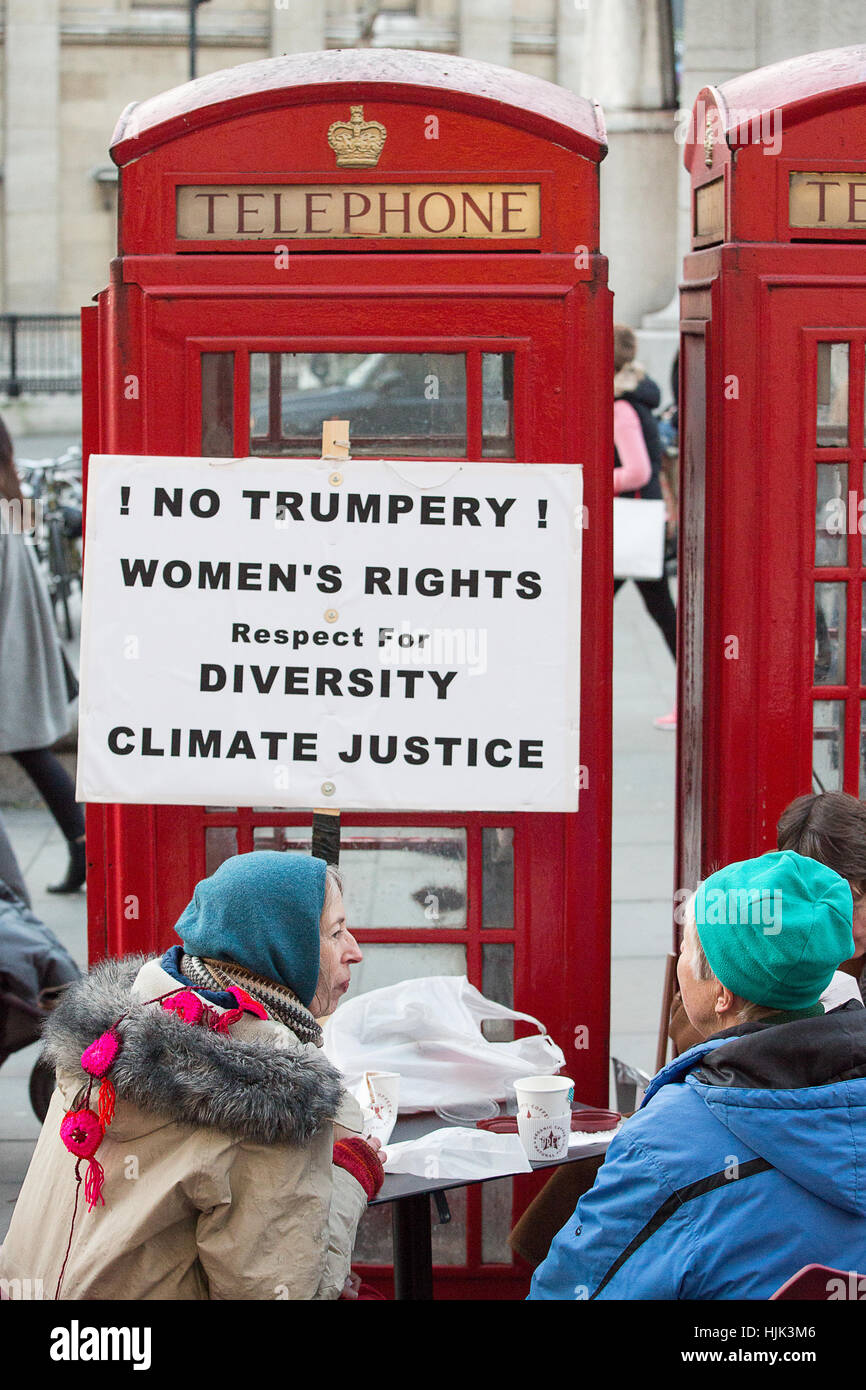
point(278, 999)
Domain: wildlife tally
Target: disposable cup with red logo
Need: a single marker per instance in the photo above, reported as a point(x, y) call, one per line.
point(544, 1116)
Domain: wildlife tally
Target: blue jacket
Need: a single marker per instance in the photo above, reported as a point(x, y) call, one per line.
point(746, 1161)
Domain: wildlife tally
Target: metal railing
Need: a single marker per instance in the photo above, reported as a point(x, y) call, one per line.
point(39, 352)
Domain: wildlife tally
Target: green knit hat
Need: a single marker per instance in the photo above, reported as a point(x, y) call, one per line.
point(775, 928)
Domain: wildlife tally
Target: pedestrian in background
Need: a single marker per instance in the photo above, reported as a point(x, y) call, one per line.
point(35, 686)
point(632, 386)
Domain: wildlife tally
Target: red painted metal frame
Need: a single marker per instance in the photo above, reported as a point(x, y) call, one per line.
point(762, 300)
point(553, 308)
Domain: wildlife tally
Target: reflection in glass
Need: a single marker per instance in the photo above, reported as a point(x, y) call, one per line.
point(394, 876)
point(388, 964)
point(217, 404)
point(374, 1241)
point(829, 634)
point(497, 404)
point(827, 726)
point(282, 837)
point(405, 876)
point(497, 982)
point(220, 843)
point(497, 877)
point(831, 514)
point(398, 404)
point(496, 1221)
point(832, 392)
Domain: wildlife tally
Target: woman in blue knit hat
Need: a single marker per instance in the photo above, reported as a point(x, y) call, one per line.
point(744, 1163)
point(199, 1144)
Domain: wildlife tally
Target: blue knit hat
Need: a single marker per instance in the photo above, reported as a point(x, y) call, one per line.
point(261, 910)
point(775, 928)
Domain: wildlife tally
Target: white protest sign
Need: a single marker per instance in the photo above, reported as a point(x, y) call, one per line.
point(299, 632)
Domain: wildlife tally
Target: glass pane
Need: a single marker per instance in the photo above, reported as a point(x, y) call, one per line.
point(220, 842)
point(497, 877)
point(388, 964)
point(831, 514)
point(281, 837)
point(829, 634)
point(405, 875)
point(827, 725)
point(398, 404)
point(497, 405)
point(449, 1241)
point(374, 1244)
point(862, 792)
point(832, 421)
point(497, 982)
point(496, 1207)
point(217, 404)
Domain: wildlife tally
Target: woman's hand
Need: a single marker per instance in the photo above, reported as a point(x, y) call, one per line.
point(340, 1132)
point(351, 1286)
point(376, 1146)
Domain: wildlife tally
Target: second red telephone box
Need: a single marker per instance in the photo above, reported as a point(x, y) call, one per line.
point(772, 657)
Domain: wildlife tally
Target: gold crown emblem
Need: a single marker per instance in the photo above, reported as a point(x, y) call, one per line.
point(357, 143)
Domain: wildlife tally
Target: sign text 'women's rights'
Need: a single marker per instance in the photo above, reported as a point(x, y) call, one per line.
point(288, 632)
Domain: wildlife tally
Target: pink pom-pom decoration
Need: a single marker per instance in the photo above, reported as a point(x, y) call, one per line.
point(247, 1003)
point(107, 1098)
point(81, 1132)
point(93, 1183)
point(101, 1055)
point(186, 1005)
point(221, 1023)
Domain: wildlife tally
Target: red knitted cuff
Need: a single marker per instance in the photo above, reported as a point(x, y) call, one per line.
point(362, 1162)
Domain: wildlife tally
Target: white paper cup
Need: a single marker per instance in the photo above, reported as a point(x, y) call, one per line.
point(543, 1097)
point(381, 1101)
point(545, 1141)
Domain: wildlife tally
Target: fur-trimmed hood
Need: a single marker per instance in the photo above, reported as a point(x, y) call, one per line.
point(269, 1089)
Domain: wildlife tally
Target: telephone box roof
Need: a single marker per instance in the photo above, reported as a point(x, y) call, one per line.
point(502, 94)
point(797, 87)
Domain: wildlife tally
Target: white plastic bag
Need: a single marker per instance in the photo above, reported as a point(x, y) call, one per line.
point(638, 537)
point(455, 1152)
point(429, 1030)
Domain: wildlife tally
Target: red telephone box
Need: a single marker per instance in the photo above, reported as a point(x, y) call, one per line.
point(309, 237)
point(772, 665)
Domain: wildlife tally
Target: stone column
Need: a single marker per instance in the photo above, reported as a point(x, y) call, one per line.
point(485, 31)
point(31, 170)
point(724, 38)
point(297, 26)
point(571, 44)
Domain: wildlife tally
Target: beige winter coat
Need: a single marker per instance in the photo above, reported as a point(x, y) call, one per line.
point(219, 1182)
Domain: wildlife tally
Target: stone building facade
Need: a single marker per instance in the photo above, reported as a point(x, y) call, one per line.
point(71, 66)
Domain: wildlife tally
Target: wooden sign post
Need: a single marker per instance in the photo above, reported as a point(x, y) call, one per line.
point(326, 819)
